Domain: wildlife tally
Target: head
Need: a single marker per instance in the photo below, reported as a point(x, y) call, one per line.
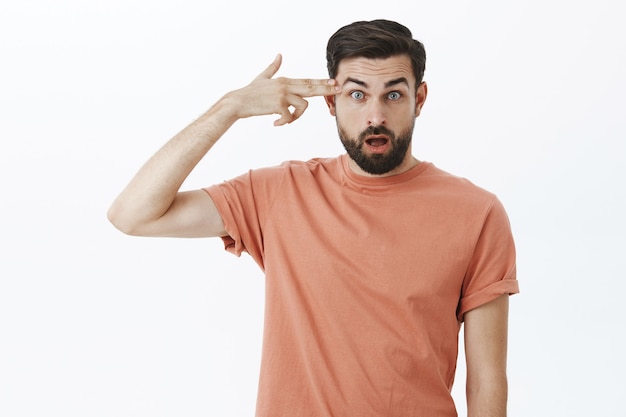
point(376, 39)
point(380, 67)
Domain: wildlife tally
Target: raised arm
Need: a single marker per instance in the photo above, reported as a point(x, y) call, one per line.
point(152, 203)
point(486, 329)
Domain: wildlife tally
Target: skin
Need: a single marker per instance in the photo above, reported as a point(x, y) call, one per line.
point(152, 205)
point(377, 92)
point(486, 333)
point(366, 92)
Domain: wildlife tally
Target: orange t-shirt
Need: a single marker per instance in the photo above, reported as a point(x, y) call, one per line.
point(367, 282)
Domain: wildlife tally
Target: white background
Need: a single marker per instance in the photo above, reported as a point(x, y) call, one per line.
point(526, 99)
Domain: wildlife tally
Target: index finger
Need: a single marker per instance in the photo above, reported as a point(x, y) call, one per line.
point(309, 87)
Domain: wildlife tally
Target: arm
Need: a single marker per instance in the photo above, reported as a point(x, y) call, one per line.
point(152, 205)
point(486, 329)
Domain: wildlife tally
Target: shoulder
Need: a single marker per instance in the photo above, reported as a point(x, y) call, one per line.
point(455, 187)
point(298, 169)
point(312, 165)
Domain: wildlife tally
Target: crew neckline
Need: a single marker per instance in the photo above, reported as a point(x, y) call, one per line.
point(367, 181)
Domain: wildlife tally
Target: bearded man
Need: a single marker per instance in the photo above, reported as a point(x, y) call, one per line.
point(373, 259)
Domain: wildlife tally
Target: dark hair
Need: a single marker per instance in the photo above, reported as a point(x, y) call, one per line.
point(375, 39)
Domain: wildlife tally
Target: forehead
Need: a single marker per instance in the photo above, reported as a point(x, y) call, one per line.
point(379, 70)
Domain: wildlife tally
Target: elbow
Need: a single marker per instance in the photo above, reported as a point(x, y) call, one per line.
point(121, 222)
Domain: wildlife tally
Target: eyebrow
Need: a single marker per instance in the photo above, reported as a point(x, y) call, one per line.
point(401, 80)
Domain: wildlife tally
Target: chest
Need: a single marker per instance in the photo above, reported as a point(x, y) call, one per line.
point(402, 246)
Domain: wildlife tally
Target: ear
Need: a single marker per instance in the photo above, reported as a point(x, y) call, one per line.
point(420, 97)
point(330, 102)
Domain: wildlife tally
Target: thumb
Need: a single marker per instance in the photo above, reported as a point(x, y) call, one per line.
point(271, 69)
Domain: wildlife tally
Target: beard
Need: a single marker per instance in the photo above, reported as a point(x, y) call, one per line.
point(377, 164)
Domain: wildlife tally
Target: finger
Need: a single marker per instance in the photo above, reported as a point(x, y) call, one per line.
point(298, 104)
point(307, 87)
point(285, 118)
point(271, 69)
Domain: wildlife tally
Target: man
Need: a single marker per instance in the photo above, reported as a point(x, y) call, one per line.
point(372, 259)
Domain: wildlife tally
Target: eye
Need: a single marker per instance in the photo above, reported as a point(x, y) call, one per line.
point(394, 95)
point(357, 95)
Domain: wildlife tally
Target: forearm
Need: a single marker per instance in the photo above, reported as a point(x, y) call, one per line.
point(151, 204)
point(486, 330)
point(487, 399)
point(153, 189)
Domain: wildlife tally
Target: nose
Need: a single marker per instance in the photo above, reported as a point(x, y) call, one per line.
point(376, 113)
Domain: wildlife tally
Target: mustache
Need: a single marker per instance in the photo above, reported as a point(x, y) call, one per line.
point(376, 130)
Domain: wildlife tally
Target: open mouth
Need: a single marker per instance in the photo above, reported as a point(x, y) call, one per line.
point(377, 142)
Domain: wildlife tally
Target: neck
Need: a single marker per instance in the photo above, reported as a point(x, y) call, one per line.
point(408, 163)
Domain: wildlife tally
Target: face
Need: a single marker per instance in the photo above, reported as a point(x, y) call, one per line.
point(376, 111)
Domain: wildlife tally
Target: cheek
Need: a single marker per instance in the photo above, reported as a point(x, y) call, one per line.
point(348, 112)
point(348, 121)
point(350, 128)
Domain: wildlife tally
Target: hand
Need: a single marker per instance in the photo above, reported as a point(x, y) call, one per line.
point(267, 95)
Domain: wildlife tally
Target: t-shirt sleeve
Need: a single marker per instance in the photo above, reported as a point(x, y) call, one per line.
point(492, 270)
point(241, 203)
